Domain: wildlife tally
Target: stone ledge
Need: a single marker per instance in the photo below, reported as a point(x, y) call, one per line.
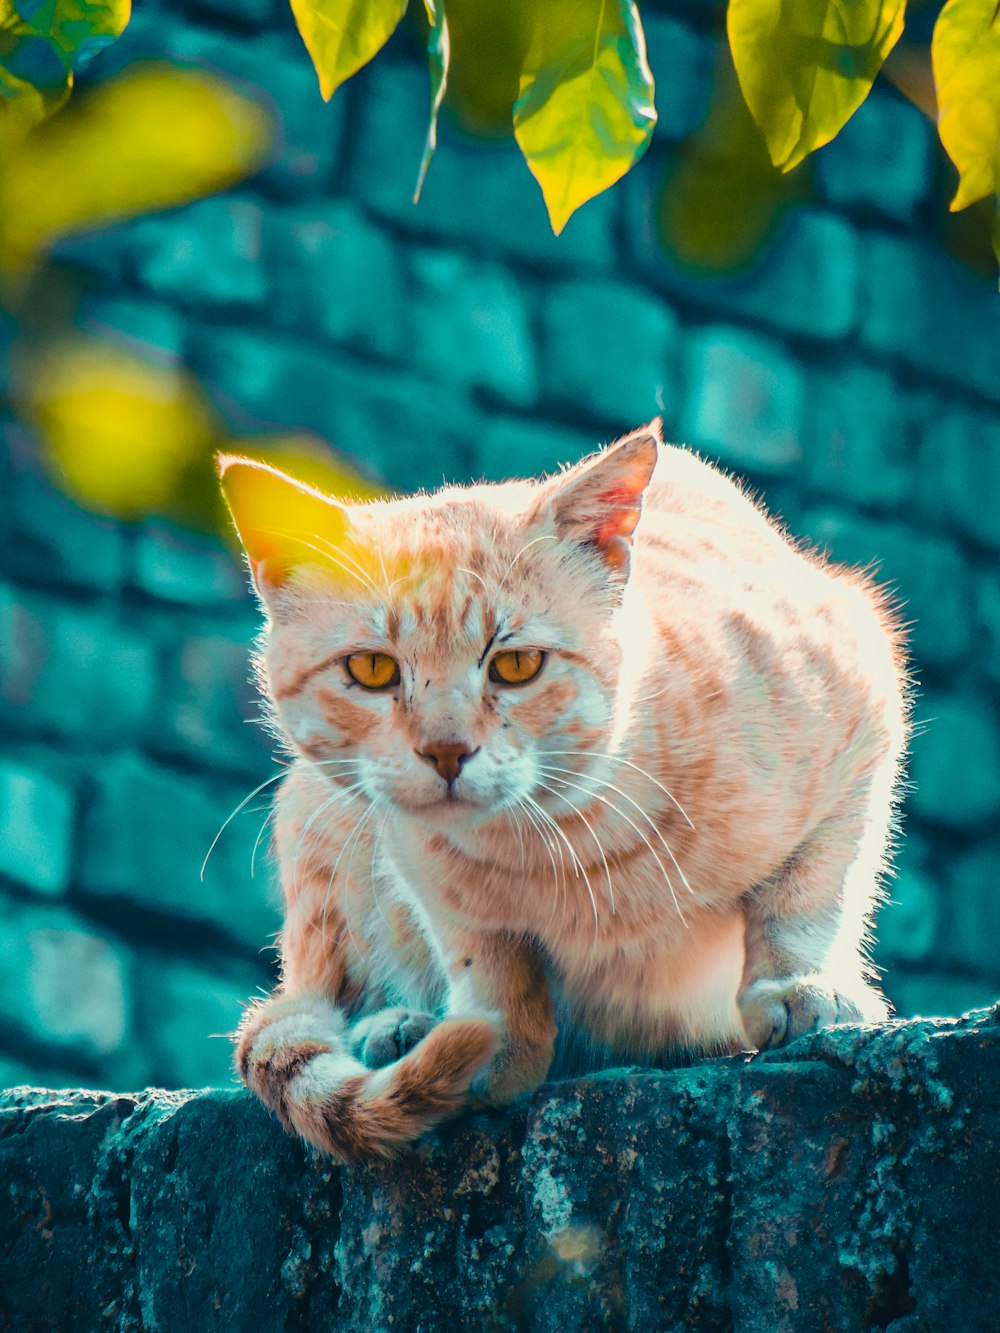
point(849, 1182)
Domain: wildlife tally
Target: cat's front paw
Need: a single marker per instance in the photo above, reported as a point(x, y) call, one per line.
point(387, 1036)
point(775, 1012)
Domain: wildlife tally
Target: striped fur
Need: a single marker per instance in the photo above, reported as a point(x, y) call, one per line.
point(673, 837)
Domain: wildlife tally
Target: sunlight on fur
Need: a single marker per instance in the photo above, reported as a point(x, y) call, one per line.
point(590, 769)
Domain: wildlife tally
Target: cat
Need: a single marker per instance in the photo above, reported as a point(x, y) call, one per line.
point(602, 753)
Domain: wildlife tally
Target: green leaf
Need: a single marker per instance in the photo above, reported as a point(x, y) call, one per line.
point(965, 52)
point(805, 66)
point(438, 55)
point(80, 28)
point(343, 35)
point(585, 110)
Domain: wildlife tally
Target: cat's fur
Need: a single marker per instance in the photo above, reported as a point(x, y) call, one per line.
point(672, 838)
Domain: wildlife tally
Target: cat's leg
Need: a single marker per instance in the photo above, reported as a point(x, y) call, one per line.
point(806, 932)
point(294, 1049)
point(501, 976)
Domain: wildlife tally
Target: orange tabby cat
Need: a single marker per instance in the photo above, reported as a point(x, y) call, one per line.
point(602, 752)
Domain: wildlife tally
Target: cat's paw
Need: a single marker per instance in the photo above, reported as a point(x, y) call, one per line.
point(776, 1012)
point(387, 1036)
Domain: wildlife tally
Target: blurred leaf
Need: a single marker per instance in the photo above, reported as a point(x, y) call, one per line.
point(118, 432)
point(805, 66)
point(154, 138)
point(585, 111)
point(128, 437)
point(722, 197)
point(438, 50)
point(343, 35)
point(966, 53)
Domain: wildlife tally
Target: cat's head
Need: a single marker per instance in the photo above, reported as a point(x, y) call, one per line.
point(440, 650)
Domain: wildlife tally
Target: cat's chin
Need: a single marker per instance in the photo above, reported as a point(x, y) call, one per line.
point(449, 811)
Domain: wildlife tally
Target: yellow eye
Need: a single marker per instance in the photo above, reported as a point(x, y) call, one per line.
point(516, 667)
point(375, 671)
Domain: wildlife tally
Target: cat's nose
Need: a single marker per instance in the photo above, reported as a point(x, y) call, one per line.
point(448, 758)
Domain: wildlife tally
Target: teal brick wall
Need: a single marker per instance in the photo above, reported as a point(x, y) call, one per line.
point(851, 371)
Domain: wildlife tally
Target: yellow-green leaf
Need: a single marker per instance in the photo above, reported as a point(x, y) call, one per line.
point(154, 138)
point(805, 66)
point(966, 55)
point(585, 110)
point(438, 55)
point(343, 35)
point(80, 28)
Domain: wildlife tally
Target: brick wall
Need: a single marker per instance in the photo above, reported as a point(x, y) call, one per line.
point(851, 371)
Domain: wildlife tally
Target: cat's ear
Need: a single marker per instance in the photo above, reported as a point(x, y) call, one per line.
point(600, 500)
point(281, 522)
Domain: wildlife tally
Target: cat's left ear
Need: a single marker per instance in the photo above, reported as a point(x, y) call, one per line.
point(600, 500)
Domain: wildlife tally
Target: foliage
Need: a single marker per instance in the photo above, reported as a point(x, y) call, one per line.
point(43, 42)
point(585, 110)
point(806, 68)
point(573, 78)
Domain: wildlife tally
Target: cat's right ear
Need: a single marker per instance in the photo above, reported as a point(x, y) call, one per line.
point(281, 522)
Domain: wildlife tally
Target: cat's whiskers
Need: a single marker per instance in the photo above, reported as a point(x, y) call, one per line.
point(552, 769)
point(349, 792)
point(463, 570)
point(558, 879)
point(335, 555)
point(232, 815)
point(663, 870)
point(590, 829)
point(257, 841)
point(617, 759)
point(578, 868)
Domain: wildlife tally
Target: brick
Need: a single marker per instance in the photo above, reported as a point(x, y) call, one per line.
point(185, 1014)
point(988, 620)
point(860, 438)
point(881, 160)
point(960, 470)
point(336, 273)
point(928, 575)
point(804, 280)
point(509, 447)
point(72, 670)
point(922, 307)
point(682, 62)
point(744, 400)
point(48, 537)
point(378, 419)
point(188, 568)
point(478, 194)
point(36, 828)
point(972, 928)
point(955, 763)
point(147, 831)
point(65, 983)
point(211, 707)
point(469, 324)
point(29, 1071)
point(610, 351)
point(154, 332)
point(206, 254)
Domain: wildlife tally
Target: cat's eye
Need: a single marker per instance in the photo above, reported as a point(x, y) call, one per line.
point(517, 666)
point(375, 671)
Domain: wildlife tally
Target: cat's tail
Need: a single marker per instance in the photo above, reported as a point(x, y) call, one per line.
point(293, 1053)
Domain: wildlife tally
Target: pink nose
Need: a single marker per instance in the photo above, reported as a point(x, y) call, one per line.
point(448, 758)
